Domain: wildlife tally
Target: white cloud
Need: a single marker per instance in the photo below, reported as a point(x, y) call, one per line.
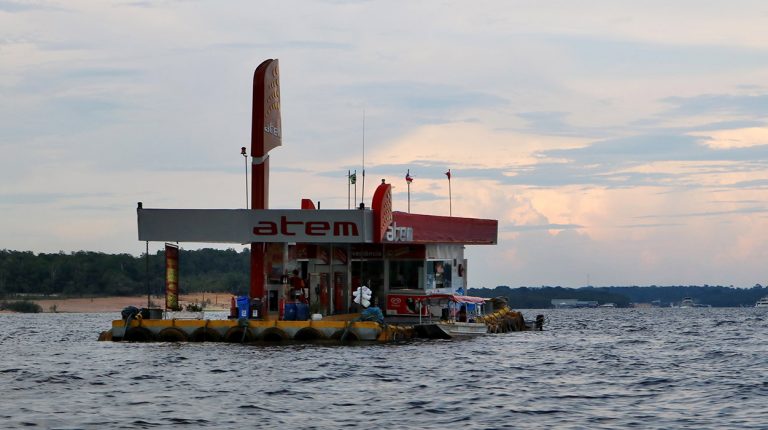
point(620, 140)
point(736, 138)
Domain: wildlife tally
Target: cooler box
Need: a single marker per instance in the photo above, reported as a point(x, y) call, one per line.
point(243, 304)
point(302, 311)
point(290, 311)
point(255, 308)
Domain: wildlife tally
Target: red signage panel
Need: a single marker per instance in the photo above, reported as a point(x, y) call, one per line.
point(382, 211)
point(406, 305)
point(418, 228)
point(267, 128)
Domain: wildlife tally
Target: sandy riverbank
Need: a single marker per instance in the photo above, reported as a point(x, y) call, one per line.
point(218, 301)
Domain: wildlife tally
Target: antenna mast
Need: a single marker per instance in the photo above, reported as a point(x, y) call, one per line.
point(362, 192)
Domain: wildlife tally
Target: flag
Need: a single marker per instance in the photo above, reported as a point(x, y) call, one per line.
point(408, 177)
point(353, 178)
point(448, 174)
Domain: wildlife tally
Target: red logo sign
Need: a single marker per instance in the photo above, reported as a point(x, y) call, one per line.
point(267, 127)
point(382, 211)
point(309, 228)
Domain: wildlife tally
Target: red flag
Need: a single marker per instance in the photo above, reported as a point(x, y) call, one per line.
point(448, 174)
point(408, 177)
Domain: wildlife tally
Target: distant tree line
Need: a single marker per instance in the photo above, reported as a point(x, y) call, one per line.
point(23, 306)
point(85, 273)
point(541, 297)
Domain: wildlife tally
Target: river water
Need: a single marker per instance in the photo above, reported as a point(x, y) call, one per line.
point(591, 368)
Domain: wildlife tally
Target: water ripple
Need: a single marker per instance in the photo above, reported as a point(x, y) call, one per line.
point(617, 368)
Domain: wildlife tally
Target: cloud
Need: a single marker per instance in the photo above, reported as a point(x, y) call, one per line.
point(95, 73)
point(44, 198)
point(748, 210)
point(614, 162)
point(753, 184)
point(569, 125)
point(287, 45)
point(19, 6)
point(422, 97)
point(632, 150)
point(550, 123)
point(537, 227)
point(140, 4)
point(671, 160)
point(753, 106)
point(735, 138)
point(653, 225)
point(716, 126)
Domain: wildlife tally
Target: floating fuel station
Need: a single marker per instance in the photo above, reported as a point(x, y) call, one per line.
point(306, 263)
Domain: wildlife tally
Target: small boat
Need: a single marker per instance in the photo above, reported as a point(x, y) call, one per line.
point(460, 316)
point(762, 303)
point(687, 303)
point(450, 330)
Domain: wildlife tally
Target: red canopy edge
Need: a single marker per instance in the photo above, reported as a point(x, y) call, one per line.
point(456, 298)
point(444, 229)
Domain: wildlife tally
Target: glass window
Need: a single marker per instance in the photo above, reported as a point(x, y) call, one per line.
point(439, 274)
point(405, 274)
point(369, 273)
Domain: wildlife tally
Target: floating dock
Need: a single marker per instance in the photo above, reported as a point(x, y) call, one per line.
point(248, 331)
point(339, 328)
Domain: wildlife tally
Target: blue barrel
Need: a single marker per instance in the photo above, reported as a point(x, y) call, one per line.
point(302, 311)
point(242, 306)
point(290, 311)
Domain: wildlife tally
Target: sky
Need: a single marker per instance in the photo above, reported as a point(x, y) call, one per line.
point(616, 142)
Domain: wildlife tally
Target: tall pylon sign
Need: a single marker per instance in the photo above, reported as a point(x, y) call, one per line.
point(266, 134)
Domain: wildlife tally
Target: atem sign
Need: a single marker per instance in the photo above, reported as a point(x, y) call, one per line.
point(397, 233)
point(290, 227)
point(245, 226)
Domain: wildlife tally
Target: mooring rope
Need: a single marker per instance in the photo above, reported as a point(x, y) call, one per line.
point(243, 322)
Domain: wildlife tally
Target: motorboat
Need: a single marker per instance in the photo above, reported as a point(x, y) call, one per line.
point(687, 303)
point(460, 316)
point(762, 303)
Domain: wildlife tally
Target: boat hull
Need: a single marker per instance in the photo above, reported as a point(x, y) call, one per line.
point(450, 330)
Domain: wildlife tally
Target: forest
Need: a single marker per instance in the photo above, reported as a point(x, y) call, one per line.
point(85, 273)
point(623, 296)
point(91, 274)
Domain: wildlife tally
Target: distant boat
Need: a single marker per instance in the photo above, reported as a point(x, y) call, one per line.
point(762, 303)
point(689, 303)
point(608, 305)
